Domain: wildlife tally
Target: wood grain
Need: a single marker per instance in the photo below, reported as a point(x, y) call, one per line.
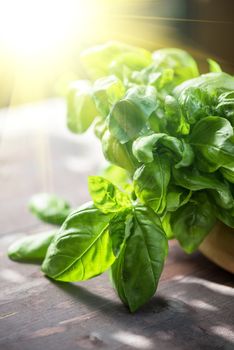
point(193, 305)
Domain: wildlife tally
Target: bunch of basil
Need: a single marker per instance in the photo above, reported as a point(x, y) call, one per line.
point(168, 133)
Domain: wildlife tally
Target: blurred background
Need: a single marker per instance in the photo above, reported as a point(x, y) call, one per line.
point(40, 40)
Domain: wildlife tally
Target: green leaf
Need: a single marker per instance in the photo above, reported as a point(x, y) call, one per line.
point(212, 140)
point(119, 229)
point(214, 66)
point(81, 109)
point(192, 222)
point(175, 120)
point(176, 197)
point(31, 248)
point(130, 61)
point(194, 180)
point(117, 153)
point(106, 196)
point(136, 271)
point(118, 176)
point(169, 68)
point(107, 91)
point(226, 216)
point(199, 97)
point(166, 224)
point(101, 60)
point(228, 174)
point(82, 248)
point(130, 114)
point(225, 106)
point(145, 147)
point(151, 182)
point(49, 208)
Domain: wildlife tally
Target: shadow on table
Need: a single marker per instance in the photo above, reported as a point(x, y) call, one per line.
point(188, 315)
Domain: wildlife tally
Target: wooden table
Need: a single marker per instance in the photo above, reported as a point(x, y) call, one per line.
point(193, 307)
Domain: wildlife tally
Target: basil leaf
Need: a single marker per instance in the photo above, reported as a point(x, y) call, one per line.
point(176, 197)
point(99, 60)
point(119, 228)
point(211, 139)
point(81, 109)
point(49, 208)
point(107, 91)
point(118, 176)
point(137, 269)
point(226, 216)
point(82, 248)
point(225, 106)
point(31, 248)
point(151, 182)
point(130, 114)
point(117, 153)
point(144, 148)
point(214, 66)
point(106, 196)
point(194, 180)
point(228, 174)
point(192, 222)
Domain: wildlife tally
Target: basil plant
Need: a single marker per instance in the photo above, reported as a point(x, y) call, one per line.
point(167, 132)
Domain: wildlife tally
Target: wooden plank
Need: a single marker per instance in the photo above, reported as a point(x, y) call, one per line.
point(192, 307)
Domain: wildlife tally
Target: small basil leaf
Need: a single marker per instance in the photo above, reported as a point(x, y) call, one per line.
point(192, 222)
point(137, 269)
point(106, 196)
point(151, 182)
point(31, 248)
point(49, 208)
point(214, 66)
point(82, 248)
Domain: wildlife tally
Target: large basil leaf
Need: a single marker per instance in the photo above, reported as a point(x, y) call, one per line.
point(192, 222)
point(106, 196)
point(194, 180)
point(107, 91)
point(137, 269)
point(49, 208)
point(81, 109)
point(130, 114)
point(151, 182)
point(211, 139)
point(82, 248)
point(31, 248)
point(144, 148)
